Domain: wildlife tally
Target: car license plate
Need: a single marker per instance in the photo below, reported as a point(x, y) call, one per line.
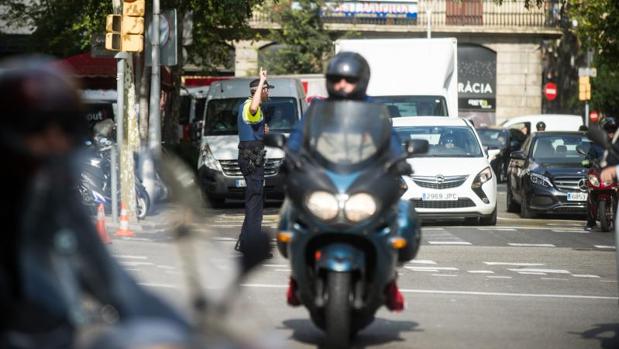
point(576, 196)
point(439, 196)
point(240, 183)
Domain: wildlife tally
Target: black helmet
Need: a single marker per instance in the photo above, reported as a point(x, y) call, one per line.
point(609, 124)
point(36, 93)
point(540, 126)
point(353, 67)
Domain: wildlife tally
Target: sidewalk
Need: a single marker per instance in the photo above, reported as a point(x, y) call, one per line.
point(160, 223)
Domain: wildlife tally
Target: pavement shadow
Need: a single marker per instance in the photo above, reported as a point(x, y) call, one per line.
point(381, 331)
point(607, 334)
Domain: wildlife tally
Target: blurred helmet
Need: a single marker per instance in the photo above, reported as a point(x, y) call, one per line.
point(609, 124)
point(540, 126)
point(36, 93)
point(352, 67)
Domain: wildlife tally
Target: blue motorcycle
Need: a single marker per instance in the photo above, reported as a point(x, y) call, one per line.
point(343, 226)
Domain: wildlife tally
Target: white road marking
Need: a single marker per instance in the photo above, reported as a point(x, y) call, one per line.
point(444, 275)
point(530, 273)
point(275, 265)
point(497, 228)
point(422, 261)
point(604, 247)
point(129, 257)
point(430, 268)
point(150, 284)
point(515, 264)
point(135, 264)
point(167, 267)
point(283, 270)
point(530, 245)
point(554, 279)
point(585, 276)
point(577, 231)
point(547, 271)
point(498, 277)
point(449, 243)
point(467, 293)
point(432, 229)
point(480, 271)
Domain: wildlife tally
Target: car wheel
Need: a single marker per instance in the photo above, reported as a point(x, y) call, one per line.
point(489, 219)
point(512, 206)
point(525, 212)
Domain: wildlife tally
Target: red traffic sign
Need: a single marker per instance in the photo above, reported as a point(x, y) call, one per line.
point(550, 91)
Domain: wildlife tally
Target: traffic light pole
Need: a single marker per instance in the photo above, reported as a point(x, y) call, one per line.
point(120, 108)
point(154, 120)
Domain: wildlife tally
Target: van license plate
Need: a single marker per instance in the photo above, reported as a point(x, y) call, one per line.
point(240, 183)
point(439, 196)
point(576, 196)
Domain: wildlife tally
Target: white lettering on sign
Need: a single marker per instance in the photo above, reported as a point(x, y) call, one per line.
point(476, 87)
point(551, 91)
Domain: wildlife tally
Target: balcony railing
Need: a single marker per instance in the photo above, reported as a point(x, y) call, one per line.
point(451, 13)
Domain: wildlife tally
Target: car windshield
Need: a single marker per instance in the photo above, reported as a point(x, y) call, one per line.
point(345, 134)
point(413, 105)
point(493, 139)
point(560, 148)
point(444, 141)
point(280, 114)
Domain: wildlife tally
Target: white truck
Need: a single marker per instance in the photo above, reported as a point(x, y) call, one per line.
point(413, 77)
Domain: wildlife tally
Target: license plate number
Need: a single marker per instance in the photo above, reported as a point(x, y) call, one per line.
point(576, 196)
point(439, 196)
point(240, 183)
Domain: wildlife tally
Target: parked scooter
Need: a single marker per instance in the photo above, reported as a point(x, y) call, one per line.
point(95, 184)
point(340, 225)
point(602, 196)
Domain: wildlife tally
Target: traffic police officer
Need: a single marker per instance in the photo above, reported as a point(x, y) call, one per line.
point(252, 128)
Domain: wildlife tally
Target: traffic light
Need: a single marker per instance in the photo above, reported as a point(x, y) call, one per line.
point(584, 88)
point(126, 32)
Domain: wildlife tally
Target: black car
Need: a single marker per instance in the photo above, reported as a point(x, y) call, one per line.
point(546, 175)
point(500, 143)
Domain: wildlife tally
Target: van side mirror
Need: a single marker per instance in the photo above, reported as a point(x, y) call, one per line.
point(275, 140)
point(518, 155)
point(415, 146)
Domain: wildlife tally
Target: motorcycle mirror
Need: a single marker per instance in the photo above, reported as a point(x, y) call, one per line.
point(598, 136)
point(275, 140)
point(415, 146)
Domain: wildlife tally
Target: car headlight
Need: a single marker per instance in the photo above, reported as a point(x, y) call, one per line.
point(323, 205)
point(540, 180)
point(208, 159)
point(359, 207)
point(482, 177)
point(593, 179)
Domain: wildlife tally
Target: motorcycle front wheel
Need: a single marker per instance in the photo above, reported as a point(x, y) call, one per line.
point(337, 311)
point(605, 216)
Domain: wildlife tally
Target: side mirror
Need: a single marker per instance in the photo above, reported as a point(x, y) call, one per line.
point(415, 146)
point(518, 155)
point(275, 140)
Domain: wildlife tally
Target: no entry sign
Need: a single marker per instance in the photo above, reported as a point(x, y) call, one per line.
point(550, 91)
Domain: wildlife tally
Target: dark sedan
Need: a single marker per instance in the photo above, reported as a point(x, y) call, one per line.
point(546, 175)
point(500, 143)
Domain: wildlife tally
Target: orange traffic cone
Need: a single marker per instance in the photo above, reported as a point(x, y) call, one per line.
point(123, 230)
point(105, 238)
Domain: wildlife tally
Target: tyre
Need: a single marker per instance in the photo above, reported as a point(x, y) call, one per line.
point(525, 212)
point(489, 219)
point(512, 206)
point(605, 216)
point(337, 311)
point(142, 204)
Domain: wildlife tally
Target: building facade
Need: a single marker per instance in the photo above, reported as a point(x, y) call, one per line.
point(500, 59)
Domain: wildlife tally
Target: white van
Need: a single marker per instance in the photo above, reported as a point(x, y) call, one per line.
point(554, 122)
point(218, 168)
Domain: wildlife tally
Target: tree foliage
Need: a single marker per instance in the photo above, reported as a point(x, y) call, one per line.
point(303, 43)
point(65, 27)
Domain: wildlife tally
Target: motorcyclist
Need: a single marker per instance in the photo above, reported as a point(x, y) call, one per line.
point(51, 257)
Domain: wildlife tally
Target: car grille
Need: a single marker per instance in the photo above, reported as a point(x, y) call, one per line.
point(439, 182)
point(569, 184)
point(231, 167)
point(460, 203)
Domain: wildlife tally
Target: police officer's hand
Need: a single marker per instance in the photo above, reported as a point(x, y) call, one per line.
point(263, 74)
point(608, 174)
point(266, 129)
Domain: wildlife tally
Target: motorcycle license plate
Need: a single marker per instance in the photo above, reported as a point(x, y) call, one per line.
point(439, 196)
point(576, 196)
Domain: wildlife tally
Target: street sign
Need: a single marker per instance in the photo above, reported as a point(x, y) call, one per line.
point(584, 71)
point(550, 91)
point(168, 50)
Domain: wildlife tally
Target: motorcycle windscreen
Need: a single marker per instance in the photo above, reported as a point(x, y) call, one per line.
point(344, 135)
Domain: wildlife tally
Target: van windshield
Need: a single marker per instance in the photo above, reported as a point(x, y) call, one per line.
point(281, 114)
point(413, 105)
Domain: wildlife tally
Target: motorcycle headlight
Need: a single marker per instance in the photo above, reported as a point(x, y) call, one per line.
point(593, 179)
point(482, 177)
point(540, 180)
point(323, 205)
point(208, 159)
point(359, 207)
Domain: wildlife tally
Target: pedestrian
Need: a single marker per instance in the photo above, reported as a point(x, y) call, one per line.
point(540, 126)
point(252, 128)
point(51, 257)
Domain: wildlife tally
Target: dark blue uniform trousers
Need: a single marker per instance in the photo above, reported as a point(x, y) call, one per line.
point(254, 201)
